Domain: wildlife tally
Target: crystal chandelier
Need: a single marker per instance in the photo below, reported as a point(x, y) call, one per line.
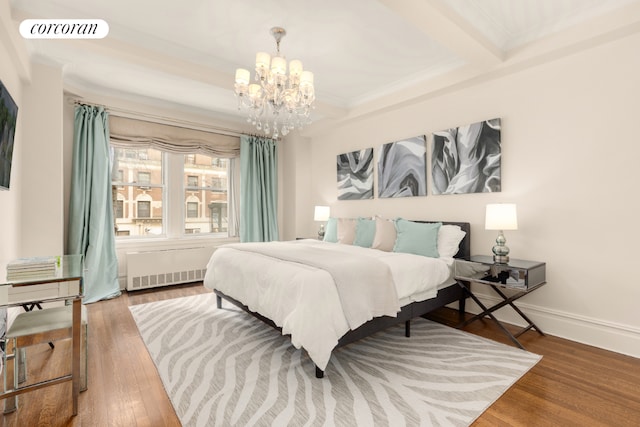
point(276, 102)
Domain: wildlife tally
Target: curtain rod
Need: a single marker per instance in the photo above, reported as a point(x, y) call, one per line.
point(157, 119)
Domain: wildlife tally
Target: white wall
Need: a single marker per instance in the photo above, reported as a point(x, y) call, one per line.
point(569, 161)
point(15, 74)
point(10, 200)
point(31, 213)
point(42, 211)
point(298, 202)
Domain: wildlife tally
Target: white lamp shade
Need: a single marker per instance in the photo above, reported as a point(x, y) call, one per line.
point(263, 59)
point(321, 213)
point(306, 78)
point(295, 67)
point(242, 76)
point(501, 216)
point(278, 65)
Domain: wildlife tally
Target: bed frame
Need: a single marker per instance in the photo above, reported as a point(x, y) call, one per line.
point(444, 297)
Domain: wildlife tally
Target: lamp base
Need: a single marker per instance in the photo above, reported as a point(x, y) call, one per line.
point(500, 250)
point(501, 259)
point(321, 233)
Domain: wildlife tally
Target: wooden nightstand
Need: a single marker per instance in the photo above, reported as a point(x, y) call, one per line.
point(519, 276)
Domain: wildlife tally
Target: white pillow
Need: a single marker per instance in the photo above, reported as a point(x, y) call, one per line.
point(347, 230)
point(385, 237)
point(449, 237)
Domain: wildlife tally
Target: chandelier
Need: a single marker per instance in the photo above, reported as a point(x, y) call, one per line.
point(276, 102)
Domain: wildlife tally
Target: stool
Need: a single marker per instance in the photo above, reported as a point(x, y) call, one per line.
point(36, 327)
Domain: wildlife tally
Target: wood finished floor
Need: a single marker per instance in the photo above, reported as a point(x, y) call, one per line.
point(573, 385)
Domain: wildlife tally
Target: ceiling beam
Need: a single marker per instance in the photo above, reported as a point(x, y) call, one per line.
point(441, 23)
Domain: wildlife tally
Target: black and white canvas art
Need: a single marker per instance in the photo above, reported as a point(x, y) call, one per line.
point(466, 159)
point(355, 175)
point(8, 123)
point(402, 168)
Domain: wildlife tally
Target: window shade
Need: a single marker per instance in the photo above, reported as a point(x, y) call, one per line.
point(126, 132)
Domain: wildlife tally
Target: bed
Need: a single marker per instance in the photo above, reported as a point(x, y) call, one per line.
point(326, 295)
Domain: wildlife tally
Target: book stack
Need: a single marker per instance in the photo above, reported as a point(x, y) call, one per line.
point(32, 268)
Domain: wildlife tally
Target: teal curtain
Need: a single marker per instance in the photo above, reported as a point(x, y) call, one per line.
point(91, 230)
point(258, 189)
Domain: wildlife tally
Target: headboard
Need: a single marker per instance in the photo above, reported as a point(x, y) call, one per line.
point(465, 244)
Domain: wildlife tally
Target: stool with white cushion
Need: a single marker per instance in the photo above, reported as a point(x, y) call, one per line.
point(37, 327)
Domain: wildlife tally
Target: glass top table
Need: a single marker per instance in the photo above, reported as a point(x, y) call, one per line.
point(33, 281)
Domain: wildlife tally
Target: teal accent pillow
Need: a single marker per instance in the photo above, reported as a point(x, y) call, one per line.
point(417, 238)
point(365, 232)
point(331, 231)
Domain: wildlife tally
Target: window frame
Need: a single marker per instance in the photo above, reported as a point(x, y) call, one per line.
point(174, 206)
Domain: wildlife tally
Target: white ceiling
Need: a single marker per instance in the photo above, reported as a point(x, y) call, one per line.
point(365, 54)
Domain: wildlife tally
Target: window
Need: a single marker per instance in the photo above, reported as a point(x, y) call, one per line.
point(165, 194)
point(144, 177)
point(144, 209)
point(119, 208)
point(212, 173)
point(140, 192)
point(118, 179)
point(219, 183)
point(192, 209)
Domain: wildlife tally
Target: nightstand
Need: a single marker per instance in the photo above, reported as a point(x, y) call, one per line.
point(518, 278)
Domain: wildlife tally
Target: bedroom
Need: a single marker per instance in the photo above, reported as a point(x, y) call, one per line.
point(568, 105)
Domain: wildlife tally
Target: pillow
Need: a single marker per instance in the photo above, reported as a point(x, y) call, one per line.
point(385, 235)
point(449, 238)
point(417, 238)
point(365, 231)
point(346, 230)
point(331, 231)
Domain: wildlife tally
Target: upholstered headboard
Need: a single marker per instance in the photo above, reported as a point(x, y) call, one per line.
point(465, 244)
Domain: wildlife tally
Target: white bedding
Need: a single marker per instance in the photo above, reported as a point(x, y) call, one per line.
point(303, 300)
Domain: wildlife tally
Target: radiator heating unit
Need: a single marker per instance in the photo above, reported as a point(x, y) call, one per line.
point(151, 269)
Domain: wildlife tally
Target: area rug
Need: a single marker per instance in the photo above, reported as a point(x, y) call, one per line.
point(224, 367)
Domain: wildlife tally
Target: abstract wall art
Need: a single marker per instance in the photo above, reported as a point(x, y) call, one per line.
point(8, 124)
point(466, 159)
point(402, 168)
point(355, 175)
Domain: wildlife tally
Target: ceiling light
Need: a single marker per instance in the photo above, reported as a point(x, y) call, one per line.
point(276, 101)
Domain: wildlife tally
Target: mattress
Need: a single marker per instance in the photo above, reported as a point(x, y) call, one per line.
point(303, 300)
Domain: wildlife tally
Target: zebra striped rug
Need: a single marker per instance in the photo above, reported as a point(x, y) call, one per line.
point(223, 367)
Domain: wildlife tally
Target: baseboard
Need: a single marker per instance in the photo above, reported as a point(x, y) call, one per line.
point(624, 339)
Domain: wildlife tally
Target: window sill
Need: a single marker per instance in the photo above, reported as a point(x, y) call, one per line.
point(159, 243)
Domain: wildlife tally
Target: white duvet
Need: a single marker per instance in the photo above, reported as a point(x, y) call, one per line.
point(303, 300)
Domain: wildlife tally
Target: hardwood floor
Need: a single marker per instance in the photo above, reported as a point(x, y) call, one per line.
point(573, 385)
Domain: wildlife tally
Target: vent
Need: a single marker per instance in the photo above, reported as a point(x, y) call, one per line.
point(167, 267)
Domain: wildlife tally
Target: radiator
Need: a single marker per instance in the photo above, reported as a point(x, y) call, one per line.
point(151, 269)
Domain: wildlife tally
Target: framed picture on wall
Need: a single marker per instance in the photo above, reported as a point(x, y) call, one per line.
point(402, 168)
point(467, 159)
point(355, 175)
point(8, 122)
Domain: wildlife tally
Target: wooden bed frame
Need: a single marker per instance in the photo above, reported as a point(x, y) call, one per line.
point(445, 296)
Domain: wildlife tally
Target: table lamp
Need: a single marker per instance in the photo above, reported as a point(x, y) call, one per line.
point(501, 216)
point(321, 213)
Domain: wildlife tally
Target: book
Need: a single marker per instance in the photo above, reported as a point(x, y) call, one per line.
point(32, 268)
